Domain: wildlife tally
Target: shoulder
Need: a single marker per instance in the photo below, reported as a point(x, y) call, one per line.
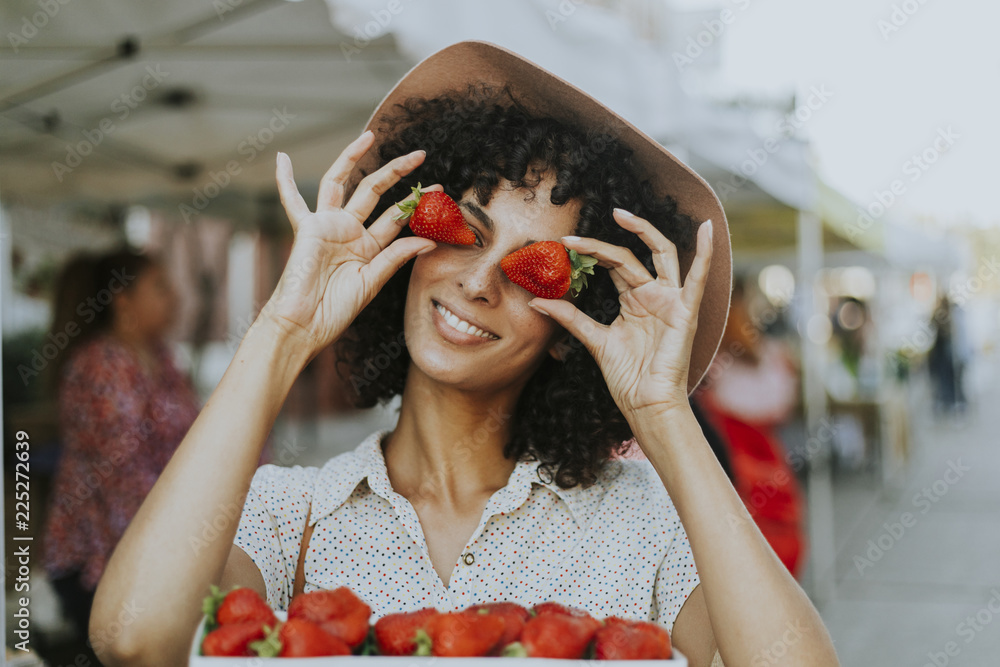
point(633, 479)
point(271, 479)
point(98, 356)
point(633, 493)
point(628, 496)
point(282, 486)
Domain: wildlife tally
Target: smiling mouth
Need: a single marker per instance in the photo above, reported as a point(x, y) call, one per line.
point(461, 325)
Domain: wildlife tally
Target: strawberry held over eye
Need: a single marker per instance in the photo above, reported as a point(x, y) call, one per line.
point(436, 216)
point(547, 269)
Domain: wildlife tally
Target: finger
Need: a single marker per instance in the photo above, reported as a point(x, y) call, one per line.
point(295, 206)
point(331, 187)
point(387, 226)
point(374, 185)
point(378, 271)
point(694, 285)
point(664, 252)
point(625, 269)
point(586, 329)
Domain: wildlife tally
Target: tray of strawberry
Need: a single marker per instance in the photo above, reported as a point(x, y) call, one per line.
point(334, 628)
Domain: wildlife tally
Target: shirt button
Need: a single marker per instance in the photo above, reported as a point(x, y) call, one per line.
point(469, 559)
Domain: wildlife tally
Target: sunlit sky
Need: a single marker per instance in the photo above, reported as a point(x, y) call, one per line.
point(891, 94)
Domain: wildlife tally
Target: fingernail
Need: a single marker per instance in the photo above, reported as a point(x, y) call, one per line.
point(710, 229)
point(426, 250)
point(532, 305)
point(364, 134)
point(571, 238)
point(624, 213)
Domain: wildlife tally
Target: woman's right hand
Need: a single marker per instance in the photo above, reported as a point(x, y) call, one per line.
point(337, 266)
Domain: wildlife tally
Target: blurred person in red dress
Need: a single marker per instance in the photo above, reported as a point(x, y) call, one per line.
point(124, 407)
point(748, 394)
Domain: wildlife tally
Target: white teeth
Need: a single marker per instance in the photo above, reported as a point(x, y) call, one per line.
point(462, 325)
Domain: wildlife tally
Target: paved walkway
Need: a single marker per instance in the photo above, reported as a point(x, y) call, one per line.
point(918, 570)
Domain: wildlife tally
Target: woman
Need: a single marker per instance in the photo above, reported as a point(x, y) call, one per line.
point(494, 481)
point(123, 410)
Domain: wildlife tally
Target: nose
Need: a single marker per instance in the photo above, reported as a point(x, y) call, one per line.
point(480, 280)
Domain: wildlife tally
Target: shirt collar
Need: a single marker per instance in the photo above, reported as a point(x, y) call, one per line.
point(338, 479)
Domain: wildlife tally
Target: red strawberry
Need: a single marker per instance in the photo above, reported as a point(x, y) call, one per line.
point(554, 635)
point(514, 616)
point(340, 612)
point(621, 639)
point(233, 639)
point(435, 215)
point(460, 634)
point(555, 608)
point(244, 604)
point(299, 639)
point(547, 269)
point(396, 634)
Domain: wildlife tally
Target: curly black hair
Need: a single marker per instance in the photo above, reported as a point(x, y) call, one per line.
point(565, 417)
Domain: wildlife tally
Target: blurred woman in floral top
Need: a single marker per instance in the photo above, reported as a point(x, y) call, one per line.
point(124, 407)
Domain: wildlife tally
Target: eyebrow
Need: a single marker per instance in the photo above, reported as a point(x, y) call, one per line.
point(482, 217)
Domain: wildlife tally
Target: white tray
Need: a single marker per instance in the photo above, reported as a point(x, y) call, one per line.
point(677, 660)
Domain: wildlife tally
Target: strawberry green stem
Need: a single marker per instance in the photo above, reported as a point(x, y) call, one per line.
point(410, 205)
point(423, 641)
point(580, 266)
point(515, 650)
point(270, 646)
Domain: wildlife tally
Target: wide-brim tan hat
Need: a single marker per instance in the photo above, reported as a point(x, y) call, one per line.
point(455, 67)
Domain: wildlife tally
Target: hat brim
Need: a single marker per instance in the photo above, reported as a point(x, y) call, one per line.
point(455, 67)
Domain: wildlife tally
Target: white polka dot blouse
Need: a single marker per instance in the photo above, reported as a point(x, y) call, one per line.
point(616, 548)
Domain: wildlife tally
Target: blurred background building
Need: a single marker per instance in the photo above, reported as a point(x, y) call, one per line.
point(158, 124)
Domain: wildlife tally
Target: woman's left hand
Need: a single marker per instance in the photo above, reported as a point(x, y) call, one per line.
point(645, 353)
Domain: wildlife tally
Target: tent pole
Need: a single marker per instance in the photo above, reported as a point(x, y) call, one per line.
point(819, 430)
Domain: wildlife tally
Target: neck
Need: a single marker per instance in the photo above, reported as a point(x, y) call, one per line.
point(447, 447)
point(131, 337)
